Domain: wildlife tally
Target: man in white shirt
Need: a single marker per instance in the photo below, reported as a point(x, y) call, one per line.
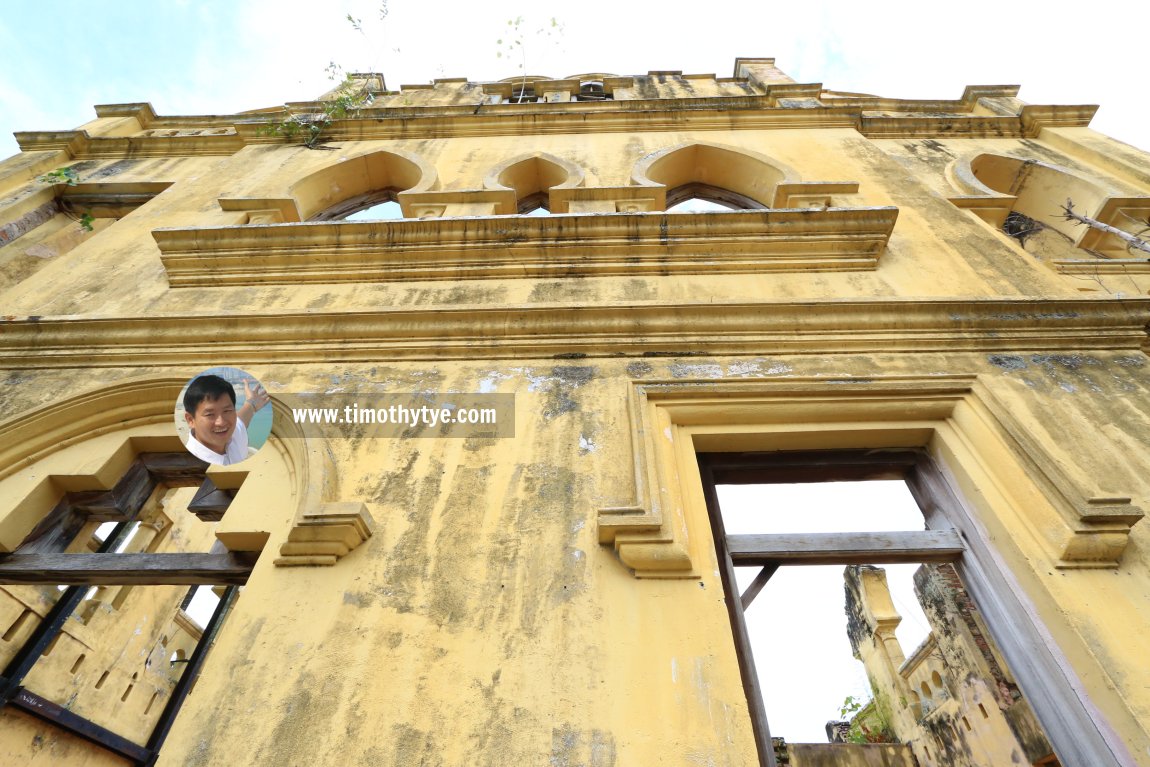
point(219, 431)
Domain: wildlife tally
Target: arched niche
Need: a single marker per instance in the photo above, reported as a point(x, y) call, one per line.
point(733, 177)
point(1030, 187)
point(532, 177)
point(359, 182)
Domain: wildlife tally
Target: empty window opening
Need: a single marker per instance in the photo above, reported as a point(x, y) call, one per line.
point(156, 509)
point(592, 90)
point(982, 709)
point(202, 605)
point(375, 205)
point(534, 205)
point(819, 666)
point(811, 693)
point(104, 530)
point(387, 210)
point(704, 198)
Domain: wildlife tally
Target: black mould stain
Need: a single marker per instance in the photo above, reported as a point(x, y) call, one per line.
point(408, 565)
point(639, 369)
point(115, 168)
point(1065, 361)
point(1007, 361)
point(575, 376)
point(565, 379)
point(452, 589)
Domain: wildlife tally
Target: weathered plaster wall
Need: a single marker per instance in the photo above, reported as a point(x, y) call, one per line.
point(483, 622)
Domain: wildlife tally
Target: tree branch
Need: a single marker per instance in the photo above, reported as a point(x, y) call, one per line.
point(1130, 240)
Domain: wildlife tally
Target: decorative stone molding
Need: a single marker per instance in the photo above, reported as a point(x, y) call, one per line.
point(611, 330)
point(802, 240)
point(957, 418)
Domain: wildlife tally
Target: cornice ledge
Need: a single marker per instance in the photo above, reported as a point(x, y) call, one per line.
point(827, 327)
point(799, 239)
point(1035, 117)
point(81, 146)
point(141, 110)
point(936, 126)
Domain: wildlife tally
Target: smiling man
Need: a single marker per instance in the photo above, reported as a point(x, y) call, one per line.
point(219, 430)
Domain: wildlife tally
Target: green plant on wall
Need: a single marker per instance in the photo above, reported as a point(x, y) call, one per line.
point(69, 177)
point(869, 721)
point(350, 96)
point(310, 126)
point(66, 175)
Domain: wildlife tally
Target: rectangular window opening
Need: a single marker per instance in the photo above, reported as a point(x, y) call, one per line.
point(835, 645)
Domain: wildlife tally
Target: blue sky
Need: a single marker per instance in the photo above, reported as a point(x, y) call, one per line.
point(217, 57)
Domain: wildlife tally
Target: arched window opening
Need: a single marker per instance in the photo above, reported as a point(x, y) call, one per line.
point(1032, 196)
point(700, 198)
point(733, 177)
point(532, 178)
point(592, 90)
point(371, 206)
point(354, 185)
point(534, 205)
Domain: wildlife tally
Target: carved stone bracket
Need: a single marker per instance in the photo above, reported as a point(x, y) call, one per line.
point(322, 536)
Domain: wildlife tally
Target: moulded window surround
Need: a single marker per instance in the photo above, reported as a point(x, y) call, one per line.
point(533, 179)
point(736, 176)
point(345, 186)
point(662, 531)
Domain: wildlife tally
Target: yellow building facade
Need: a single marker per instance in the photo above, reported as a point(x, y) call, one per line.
point(888, 289)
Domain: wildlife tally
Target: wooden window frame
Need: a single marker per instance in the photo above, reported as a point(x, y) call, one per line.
point(41, 560)
point(950, 537)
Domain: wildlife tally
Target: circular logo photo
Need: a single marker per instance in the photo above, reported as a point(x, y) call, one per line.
point(222, 415)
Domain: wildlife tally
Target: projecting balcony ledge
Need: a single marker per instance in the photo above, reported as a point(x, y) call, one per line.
point(579, 245)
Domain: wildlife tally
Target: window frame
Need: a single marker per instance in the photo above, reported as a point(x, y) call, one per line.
point(1041, 676)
